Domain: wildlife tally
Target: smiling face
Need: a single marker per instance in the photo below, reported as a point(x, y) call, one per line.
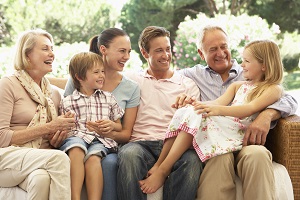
point(41, 57)
point(215, 51)
point(253, 70)
point(94, 79)
point(159, 56)
point(117, 53)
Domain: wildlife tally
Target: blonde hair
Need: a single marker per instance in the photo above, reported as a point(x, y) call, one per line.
point(80, 63)
point(266, 52)
point(27, 41)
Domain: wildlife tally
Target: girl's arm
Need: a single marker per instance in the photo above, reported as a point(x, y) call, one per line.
point(268, 97)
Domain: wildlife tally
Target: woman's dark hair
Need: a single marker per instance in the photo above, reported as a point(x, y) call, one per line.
point(94, 45)
point(108, 35)
point(105, 38)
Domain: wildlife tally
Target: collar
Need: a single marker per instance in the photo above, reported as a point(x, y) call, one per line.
point(77, 94)
point(176, 78)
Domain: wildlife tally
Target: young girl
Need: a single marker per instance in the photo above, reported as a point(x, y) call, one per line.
point(214, 128)
point(86, 148)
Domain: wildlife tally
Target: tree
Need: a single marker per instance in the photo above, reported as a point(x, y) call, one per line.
point(285, 13)
point(4, 34)
point(136, 15)
point(67, 20)
point(241, 29)
point(290, 51)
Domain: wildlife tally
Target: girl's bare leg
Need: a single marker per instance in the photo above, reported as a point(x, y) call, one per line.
point(182, 143)
point(94, 177)
point(164, 152)
point(76, 156)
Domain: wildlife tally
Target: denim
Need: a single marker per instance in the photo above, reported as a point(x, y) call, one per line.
point(136, 158)
point(94, 148)
point(108, 163)
point(109, 169)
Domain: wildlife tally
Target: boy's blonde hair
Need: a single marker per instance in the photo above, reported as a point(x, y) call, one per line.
point(82, 62)
point(266, 52)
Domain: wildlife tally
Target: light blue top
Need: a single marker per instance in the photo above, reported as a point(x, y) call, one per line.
point(127, 93)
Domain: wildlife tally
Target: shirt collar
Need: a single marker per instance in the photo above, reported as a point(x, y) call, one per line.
point(77, 94)
point(176, 78)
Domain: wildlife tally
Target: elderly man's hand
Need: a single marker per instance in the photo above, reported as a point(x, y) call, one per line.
point(257, 131)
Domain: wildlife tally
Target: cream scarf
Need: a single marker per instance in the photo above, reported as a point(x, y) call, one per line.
point(45, 110)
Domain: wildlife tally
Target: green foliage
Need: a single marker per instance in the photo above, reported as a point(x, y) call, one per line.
point(284, 13)
point(292, 80)
point(290, 51)
point(136, 15)
point(290, 63)
point(68, 21)
point(240, 29)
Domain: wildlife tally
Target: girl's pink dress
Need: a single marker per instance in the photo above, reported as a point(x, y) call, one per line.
point(214, 135)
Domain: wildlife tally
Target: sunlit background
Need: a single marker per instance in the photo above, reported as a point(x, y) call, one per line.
point(91, 17)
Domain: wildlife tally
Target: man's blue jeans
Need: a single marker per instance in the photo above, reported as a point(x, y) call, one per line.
point(109, 169)
point(136, 158)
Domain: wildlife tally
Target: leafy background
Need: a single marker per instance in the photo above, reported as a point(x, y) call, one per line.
point(73, 22)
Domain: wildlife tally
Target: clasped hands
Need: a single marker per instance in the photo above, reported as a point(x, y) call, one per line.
point(61, 126)
point(102, 127)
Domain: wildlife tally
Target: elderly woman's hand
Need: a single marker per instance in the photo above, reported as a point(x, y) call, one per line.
point(61, 126)
point(63, 123)
point(57, 138)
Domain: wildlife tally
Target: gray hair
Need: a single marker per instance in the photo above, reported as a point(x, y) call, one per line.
point(205, 29)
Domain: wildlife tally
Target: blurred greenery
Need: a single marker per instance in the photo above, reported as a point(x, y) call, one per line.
point(73, 22)
point(292, 81)
point(241, 29)
point(68, 20)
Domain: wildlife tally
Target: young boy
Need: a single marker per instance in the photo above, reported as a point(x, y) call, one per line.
point(89, 103)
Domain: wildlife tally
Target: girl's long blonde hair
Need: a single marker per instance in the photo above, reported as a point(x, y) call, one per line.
point(266, 52)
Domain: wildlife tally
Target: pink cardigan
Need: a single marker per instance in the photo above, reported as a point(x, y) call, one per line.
point(17, 108)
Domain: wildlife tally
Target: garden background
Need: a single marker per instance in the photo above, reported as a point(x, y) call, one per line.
point(74, 22)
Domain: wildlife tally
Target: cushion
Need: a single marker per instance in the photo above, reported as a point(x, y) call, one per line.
point(283, 186)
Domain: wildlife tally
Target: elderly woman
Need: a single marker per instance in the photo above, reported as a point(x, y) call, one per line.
point(29, 125)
